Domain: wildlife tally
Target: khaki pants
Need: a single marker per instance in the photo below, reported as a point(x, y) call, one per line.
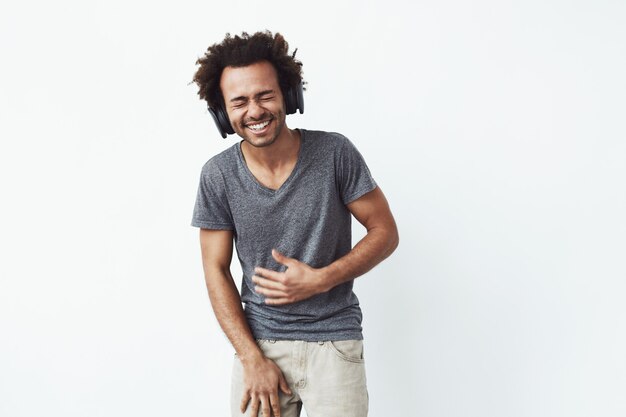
point(327, 378)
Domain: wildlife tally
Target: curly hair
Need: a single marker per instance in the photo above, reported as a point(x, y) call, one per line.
point(241, 51)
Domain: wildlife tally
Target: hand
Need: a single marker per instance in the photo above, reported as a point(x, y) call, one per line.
point(297, 283)
point(262, 379)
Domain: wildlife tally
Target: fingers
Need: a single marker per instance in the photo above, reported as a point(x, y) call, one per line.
point(268, 405)
point(274, 297)
point(265, 407)
point(254, 409)
point(275, 404)
point(270, 293)
point(271, 290)
point(268, 283)
point(269, 274)
point(282, 383)
point(268, 288)
point(280, 258)
point(244, 402)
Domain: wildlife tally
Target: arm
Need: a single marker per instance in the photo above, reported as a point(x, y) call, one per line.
point(262, 378)
point(372, 211)
point(300, 281)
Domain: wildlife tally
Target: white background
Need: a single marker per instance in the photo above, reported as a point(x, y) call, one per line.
point(496, 129)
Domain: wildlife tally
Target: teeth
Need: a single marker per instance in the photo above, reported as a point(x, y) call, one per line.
point(259, 126)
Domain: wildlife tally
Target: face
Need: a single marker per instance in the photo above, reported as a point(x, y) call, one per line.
point(254, 102)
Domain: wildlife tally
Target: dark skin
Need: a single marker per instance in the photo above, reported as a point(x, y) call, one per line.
point(270, 149)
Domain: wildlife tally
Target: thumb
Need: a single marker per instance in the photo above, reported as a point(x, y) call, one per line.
point(282, 383)
point(280, 258)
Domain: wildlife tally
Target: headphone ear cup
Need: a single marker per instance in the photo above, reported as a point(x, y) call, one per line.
point(294, 99)
point(221, 121)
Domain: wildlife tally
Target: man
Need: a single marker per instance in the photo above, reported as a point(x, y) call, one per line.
point(286, 197)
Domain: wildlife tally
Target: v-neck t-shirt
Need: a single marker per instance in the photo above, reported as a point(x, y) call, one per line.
point(306, 218)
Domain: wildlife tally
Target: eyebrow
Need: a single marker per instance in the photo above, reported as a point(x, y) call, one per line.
point(243, 98)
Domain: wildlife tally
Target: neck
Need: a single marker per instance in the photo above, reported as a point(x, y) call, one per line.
point(283, 151)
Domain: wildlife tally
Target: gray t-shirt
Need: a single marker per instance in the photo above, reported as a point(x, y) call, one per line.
point(305, 219)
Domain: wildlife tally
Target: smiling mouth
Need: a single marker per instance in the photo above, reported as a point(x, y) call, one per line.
point(259, 126)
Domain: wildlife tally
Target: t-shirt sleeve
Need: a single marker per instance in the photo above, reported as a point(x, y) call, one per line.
point(355, 178)
point(211, 210)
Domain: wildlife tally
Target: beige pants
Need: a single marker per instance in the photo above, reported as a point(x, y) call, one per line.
point(327, 378)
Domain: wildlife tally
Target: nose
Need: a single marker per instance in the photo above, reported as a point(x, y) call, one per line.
point(255, 111)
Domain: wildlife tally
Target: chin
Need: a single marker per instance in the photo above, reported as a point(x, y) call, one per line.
point(260, 142)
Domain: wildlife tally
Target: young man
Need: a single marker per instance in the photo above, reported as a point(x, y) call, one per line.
point(286, 197)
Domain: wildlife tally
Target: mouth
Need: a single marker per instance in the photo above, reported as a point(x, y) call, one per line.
point(258, 127)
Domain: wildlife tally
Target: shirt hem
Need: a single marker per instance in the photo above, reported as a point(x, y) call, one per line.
point(212, 226)
point(361, 193)
point(324, 337)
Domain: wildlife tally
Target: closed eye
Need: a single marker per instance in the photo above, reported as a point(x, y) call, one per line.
point(266, 95)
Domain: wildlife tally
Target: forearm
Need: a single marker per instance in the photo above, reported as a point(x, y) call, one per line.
point(301, 281)
point(226, 304)
point(262, 378)
point(376, 245)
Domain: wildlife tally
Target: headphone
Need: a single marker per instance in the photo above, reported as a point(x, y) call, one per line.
point(294, 100)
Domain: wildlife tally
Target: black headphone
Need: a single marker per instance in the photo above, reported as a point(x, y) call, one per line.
point(294, 100)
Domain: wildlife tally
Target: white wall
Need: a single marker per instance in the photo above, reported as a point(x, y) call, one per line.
point(496, 130)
